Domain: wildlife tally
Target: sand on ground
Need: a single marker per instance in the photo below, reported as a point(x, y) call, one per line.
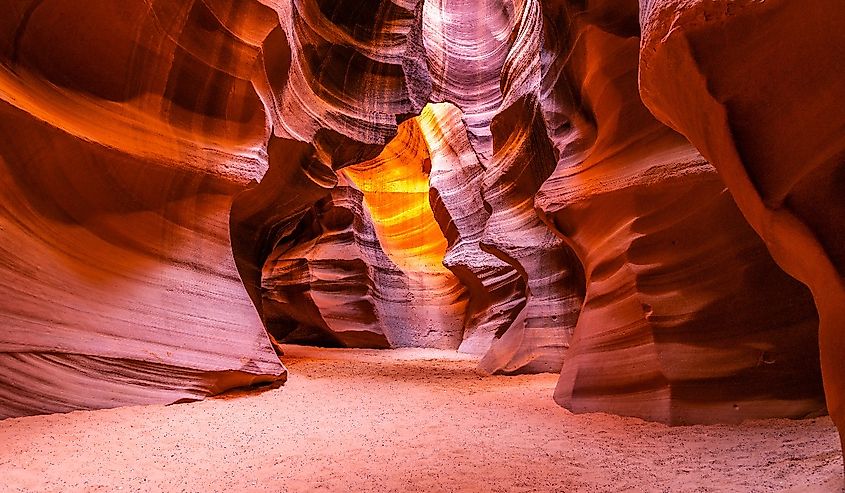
point(404, 420)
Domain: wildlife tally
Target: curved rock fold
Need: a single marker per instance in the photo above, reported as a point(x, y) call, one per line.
point(616, 191)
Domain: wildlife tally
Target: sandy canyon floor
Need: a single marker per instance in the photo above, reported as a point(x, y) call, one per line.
point(404, 420)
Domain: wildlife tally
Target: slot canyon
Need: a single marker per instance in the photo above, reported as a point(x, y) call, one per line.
point(422, 245)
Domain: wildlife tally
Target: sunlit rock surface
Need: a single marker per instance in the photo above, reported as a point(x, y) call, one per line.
point(495, 288)
point(606, 189)
point(522, 160)
point(377, 261)
point(120, 153)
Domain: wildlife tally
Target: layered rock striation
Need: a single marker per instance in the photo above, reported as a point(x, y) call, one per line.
point(686, 317)
point(606, 189)
point(772, 125)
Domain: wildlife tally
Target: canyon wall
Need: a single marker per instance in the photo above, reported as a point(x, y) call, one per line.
point(773, 126)
point(686, 317)
point(602, 189)
point(124, 140)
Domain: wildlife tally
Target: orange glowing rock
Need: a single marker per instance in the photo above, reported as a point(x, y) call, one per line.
point(686, 317)
point(406, 296)
point(188, 177)
point(774, 130)
point(396, 193)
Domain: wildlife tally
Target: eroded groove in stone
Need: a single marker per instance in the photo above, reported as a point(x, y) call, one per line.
point(774, 131)
point(108, 258)
point(496, 290)
point(320, 289)
point(674, 328)
point(523, 158)
point(404, 291)
point(177, 172)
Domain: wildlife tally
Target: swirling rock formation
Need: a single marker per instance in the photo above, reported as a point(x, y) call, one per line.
point(118, 281)
point(379, 254)
point(773, 126)
point(522, 160)
point(473, 175)
point(321, 288)
point(496, 290)
point(686, 317)
point(423, 301)
point(466, 45)
point(120, 153)
point(350, 68)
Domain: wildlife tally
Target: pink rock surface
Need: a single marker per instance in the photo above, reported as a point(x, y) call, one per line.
point(608, 189)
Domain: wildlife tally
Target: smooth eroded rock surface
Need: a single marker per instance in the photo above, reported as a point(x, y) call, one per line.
point(616, 191)
point(772, 124)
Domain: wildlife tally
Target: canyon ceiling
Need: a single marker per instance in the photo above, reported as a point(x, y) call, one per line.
point(647, 197)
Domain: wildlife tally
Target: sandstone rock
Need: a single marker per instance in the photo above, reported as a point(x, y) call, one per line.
point(118, 281)
point(423, 303)
point(686, 317)
point(318, 287)
point(496, 290)
point(118, 173)
point(466, 45)
point(523, 159)
point(772, 124)
point(356, 68)
point(166, 163)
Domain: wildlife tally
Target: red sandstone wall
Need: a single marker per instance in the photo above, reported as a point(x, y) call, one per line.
point(606, 189)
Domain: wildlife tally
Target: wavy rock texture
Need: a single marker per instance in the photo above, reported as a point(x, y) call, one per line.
point(171, 78)
point(424, 302)
point(168, 162)
point(522, 160)
point(121, 151)
point(466, 44)
point(356, 69)
point(774, 131)
point(118, 281)
point(686, 317)
point(379, 252)
point(426, 183)
point(528, 300)
point(321, 289)
point(496, 290)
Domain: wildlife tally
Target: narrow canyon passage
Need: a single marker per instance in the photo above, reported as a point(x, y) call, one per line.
point(570, 226)
point(404, 420)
